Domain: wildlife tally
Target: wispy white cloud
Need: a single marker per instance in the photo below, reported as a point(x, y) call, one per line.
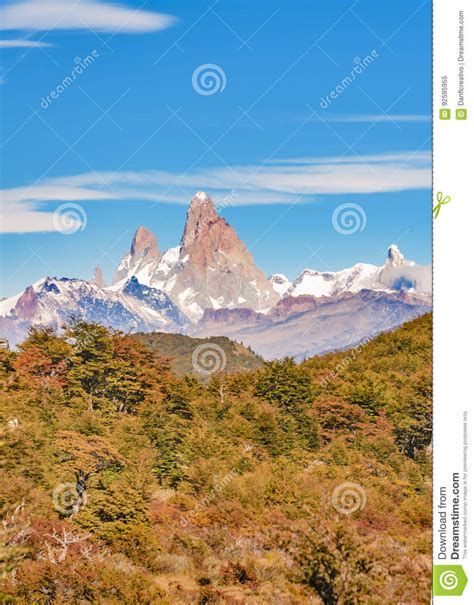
point(23, 44)
point(379, 118)
point(22, 206)
point(403, 157)
point(43, 15)
point(299, 180)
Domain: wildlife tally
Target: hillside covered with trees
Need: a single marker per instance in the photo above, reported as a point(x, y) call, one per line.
point(179, 349)
point(287, 484)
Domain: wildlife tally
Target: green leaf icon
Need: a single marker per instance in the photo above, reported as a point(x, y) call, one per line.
point(448, 580)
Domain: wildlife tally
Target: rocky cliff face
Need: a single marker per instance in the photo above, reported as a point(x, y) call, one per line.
point(144, 253)
point(211, 269)
point(27, 304)
point(98, 277)
point(210, 285)
point(218, 270)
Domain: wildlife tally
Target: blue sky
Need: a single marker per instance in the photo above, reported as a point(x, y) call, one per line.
point(130, 139)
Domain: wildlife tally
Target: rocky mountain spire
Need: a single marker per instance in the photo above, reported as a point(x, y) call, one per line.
point(217, 269)
point(26, 305)
point(144, 245)
point(144, 252)
point(211, 269)
point(98, 277)
point(200, 217)
point(394, 257)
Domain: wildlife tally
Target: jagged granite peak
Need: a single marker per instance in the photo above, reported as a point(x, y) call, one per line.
point(216, 269)
point(144, 253)
point(98, 277)
point(200, 216)
point(394, 256)
point(213, 269)
point(144, 244)
point(26, 305)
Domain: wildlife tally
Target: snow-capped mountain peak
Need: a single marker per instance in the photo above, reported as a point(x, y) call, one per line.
point(201, 196)
point(52, 301)
point(394, 256)
point(144, 251)
point(211, 268)
point(396, 274)
point(329, 283)
point(280, 283)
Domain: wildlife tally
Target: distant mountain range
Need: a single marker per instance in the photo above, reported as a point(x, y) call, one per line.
point(209, 285)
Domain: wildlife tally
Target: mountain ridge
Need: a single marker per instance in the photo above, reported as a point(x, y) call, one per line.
point(211, 282)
